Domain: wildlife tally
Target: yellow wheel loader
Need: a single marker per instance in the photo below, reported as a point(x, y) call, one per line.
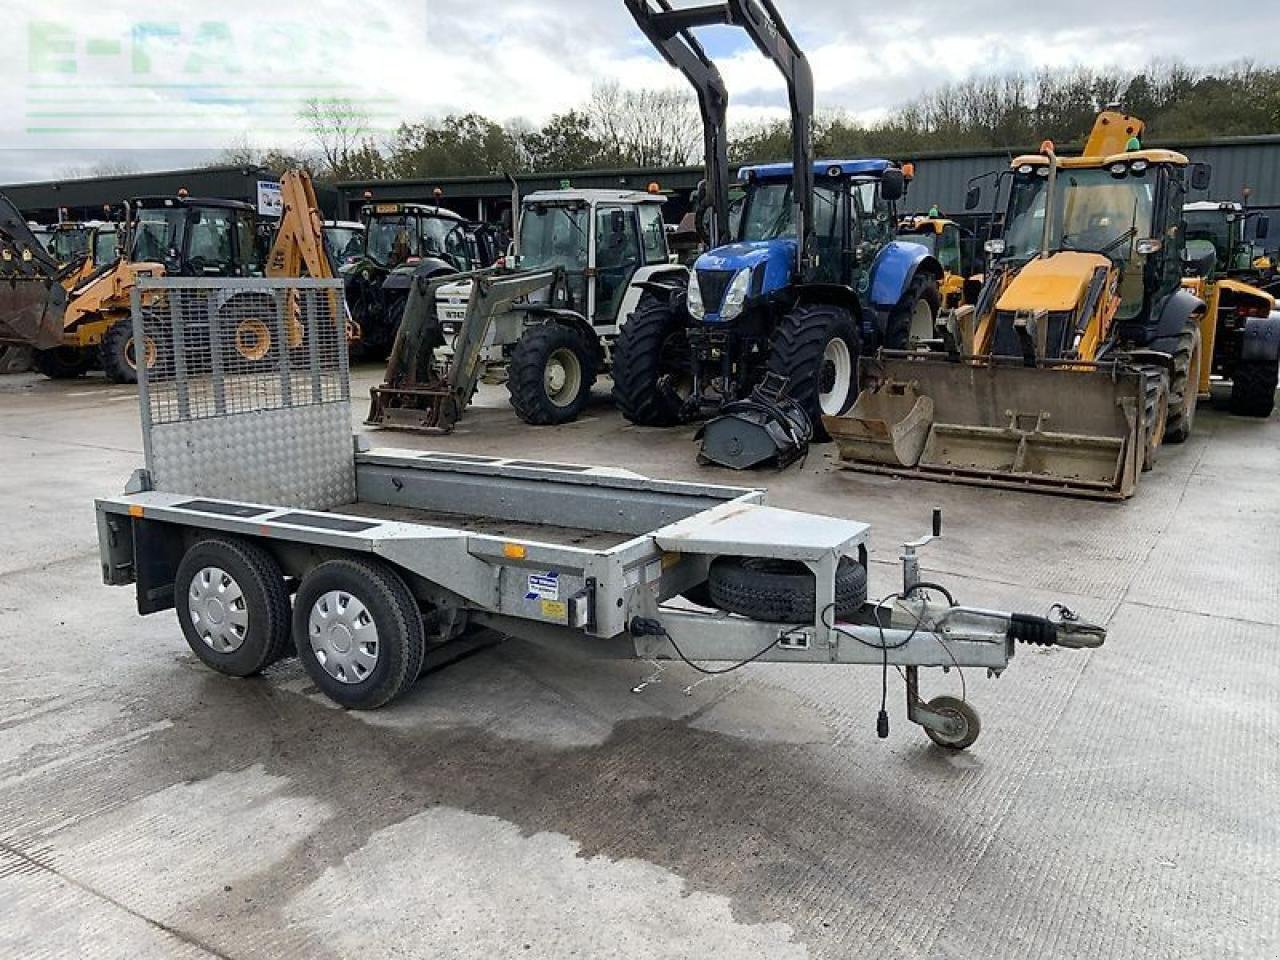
point(1083, 351)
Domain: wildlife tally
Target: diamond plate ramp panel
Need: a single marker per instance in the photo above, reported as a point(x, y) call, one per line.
point(298, 457)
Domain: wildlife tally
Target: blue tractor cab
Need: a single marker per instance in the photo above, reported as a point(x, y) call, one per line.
point(810, 277)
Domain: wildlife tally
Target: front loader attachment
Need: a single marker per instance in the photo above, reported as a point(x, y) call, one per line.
point(1075, 429)
point(33, 301)
point(423, 390)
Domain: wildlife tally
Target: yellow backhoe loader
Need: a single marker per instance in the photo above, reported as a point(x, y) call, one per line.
point(86, 321)
point(1082, 353)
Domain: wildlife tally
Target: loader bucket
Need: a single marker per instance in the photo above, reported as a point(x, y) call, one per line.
point(31, 311)
point(889, 426)
point(1054, 429)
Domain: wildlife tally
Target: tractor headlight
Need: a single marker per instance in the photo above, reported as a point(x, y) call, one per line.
point(693, 299)
point(735, 298)
point(995, 246)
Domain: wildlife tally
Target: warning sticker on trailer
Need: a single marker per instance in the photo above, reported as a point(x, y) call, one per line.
point(543, 586)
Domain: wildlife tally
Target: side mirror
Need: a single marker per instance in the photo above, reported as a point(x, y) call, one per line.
point(617, 221)
point(893, 184)
point(972, 196)
point(1201, 175)
point(1261, 227)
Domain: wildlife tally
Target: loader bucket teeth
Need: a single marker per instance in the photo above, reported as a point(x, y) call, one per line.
point(1068, 429)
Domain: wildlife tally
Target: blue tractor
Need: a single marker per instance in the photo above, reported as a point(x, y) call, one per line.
point(806, 279)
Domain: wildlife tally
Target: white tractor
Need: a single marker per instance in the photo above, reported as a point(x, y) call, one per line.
point(610, 248)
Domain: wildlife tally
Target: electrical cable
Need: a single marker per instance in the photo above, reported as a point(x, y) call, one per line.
point(656, 628)
point(882, 718)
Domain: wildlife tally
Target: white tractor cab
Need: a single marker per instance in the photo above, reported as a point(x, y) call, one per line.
point(609, 244)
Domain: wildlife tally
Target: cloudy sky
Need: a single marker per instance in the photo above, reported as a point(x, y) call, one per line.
point(139, 85)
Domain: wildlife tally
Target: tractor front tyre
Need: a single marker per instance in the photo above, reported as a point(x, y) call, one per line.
point(816, 348)
point(1184, 384)
point(550, 373)
point(915, 316)
point(1253, 389)
point(652, 371)
point(120, 356)
point(62, 363)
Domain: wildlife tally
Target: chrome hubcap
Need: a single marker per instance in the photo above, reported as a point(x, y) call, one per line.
point(343, 636)
point(218, 611)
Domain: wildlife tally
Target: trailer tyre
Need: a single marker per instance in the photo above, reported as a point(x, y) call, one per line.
point(62, 363)
point(358, 632)
point(816, 348)
point(1184, 384)
point(550, 374)
point(958, 710)
point(781, 591)
point(1253, 389)
point(232, 605)
point(652, 376)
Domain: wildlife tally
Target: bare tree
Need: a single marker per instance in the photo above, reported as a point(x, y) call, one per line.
point(341, 133)
point(644, 127)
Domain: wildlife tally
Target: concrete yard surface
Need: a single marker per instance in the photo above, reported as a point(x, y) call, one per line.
point(522, 801)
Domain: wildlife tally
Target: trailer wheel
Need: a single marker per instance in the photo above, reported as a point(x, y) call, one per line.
point(358, 632)
point(914, 317)
point(652, 370)
point(550, 374)
point(780, 591)
point(959, 710)
point(816, 348)
point(1184, 384)
point(1253, 389)
point(62, 363)
point(232, 605)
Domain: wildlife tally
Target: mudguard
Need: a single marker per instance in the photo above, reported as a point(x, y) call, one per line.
point(1173, 319)
point(430, 267)
point(894, 270)
point(1260, 341)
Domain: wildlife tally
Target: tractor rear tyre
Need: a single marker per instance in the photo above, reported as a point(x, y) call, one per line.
point(550, 373)
point(816, 348)
point(914, 317)
point(120, 358)
point(62, 363)
point(781, 591)
point(1184, 384)
point(1155, 413)
point(651, 365)
point(1253, 389)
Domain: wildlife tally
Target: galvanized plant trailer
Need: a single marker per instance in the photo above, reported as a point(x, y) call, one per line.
point(253, 489)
